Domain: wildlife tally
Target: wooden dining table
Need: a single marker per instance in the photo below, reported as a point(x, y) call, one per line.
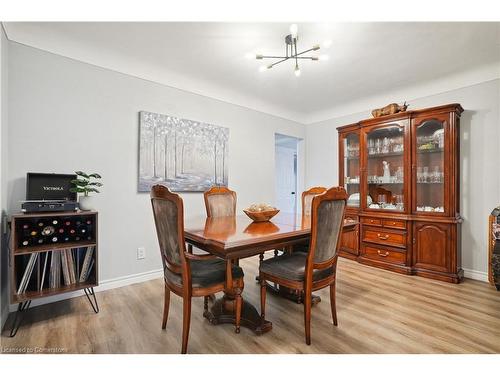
point(235, 237)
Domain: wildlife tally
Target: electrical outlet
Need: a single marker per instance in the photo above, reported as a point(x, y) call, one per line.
point(141, 253)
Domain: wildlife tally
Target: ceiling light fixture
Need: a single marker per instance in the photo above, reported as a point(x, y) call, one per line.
point(291, 52)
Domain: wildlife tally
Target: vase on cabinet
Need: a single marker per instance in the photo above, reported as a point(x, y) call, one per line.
point(86, 202)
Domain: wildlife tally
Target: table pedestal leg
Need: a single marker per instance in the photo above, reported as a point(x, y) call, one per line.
point(224, 311)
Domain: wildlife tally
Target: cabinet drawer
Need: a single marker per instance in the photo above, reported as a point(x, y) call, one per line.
point(384, 254)
point(371, 221)
point(390, 223)
point(384, 237)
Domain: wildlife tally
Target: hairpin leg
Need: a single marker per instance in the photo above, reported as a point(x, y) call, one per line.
point(90, 292)
point(18, 318)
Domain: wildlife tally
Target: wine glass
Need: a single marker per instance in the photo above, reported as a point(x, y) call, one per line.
point(419, 174)
point(425, 174)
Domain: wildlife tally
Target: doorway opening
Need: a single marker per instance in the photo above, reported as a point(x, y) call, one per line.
point(286, 172)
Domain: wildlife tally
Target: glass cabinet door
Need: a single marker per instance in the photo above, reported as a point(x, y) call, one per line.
point(429, 161)
point(385, 168)
point(350, 167)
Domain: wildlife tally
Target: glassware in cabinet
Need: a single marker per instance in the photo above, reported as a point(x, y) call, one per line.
point(351, 167)
point(429, 161)
point(385, 168)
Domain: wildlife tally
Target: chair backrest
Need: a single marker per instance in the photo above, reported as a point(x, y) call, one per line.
point(307, 197)
point(220, 201)
point(168, 212)
point(326, 226)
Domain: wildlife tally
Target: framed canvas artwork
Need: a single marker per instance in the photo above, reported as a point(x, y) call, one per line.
point(184, 155)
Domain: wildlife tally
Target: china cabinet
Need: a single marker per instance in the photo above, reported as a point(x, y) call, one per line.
point(401, 173)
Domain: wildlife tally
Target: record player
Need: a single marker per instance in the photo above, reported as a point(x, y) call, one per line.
point(49, 192)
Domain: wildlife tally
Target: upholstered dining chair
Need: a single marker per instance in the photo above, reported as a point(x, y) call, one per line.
point(307, 197)
point(220, 201)
point(315, 269)
point(187, 275)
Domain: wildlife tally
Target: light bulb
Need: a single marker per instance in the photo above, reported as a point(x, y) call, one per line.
point(259, 57)
point(297, 71)
point(324, 57)
point(294, 30)
point(326, 43)
point(316, 47)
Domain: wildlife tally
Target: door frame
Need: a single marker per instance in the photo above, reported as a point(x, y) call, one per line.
point(300, 166)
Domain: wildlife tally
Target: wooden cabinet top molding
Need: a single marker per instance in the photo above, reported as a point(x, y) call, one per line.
point(404, 115)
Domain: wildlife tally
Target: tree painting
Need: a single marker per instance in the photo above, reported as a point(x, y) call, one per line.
point(182, 154)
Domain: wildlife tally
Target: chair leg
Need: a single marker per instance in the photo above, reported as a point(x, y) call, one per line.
point(333, 303)
point(261, 259)
point(190, 248)
point(205, 304)
point(276, 254)
point(186, 320)
point(262, 298)
point(307, 315)
point(239, 301)
point(166, 306)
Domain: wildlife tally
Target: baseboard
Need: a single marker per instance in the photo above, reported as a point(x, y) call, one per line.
point(476, 275)
point(103, 285)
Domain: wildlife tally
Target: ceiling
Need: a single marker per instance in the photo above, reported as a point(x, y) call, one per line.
point(365, 59)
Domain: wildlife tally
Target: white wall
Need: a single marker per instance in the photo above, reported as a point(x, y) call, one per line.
point(66, 115)
point(480, 144)
point(4, 295)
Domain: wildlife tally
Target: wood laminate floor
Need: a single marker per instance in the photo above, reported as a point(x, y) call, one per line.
point(378, 312)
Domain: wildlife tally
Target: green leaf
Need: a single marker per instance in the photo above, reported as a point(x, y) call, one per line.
point(80, 182)
point(95, 184)
point(94, 190)
point(83, 174)
point(77, 190)
point(95, 175)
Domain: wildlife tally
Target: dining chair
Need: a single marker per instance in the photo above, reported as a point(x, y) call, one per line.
point(315, 269)
point(307, 197)
point(220, 201)
point(187, 275)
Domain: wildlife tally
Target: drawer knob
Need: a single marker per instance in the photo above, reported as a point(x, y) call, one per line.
point(393, 223)
point(382, 254)
point(382, 237)
point(372, 221)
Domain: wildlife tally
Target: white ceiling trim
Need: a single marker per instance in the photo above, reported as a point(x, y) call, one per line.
point(409, 93)
point(143, 70)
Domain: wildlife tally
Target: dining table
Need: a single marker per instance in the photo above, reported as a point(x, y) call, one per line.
point(232, 238)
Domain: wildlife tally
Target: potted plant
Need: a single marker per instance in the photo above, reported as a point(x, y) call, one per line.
point(85, 183)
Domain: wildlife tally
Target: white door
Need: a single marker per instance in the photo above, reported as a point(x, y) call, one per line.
point(286, 179)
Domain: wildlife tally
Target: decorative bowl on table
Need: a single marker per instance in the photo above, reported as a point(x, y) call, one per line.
point(261, 212)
